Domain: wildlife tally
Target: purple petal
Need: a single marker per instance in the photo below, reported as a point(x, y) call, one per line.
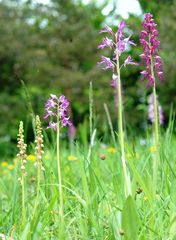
point(106, 29)
point(48, 114)
point(52, 125)
point(62, 98)
point(50, 104)
point(129, 61)
point(128, 41)
point(108, 64)
point(106, 42)
point(65, 122)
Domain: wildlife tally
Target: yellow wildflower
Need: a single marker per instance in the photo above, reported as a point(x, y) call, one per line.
point(31, 158)
point(152, 149)
point(111, 150)
point(4, 164)
point(10, 167)
point(72, 158)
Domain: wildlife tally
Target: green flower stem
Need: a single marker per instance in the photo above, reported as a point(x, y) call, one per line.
point(156, 125)
point(156, 133)
point(91, 109)
point(121, 132)
point(23, 201)
point(38, 180)
point(61, 214)
point(38, 184)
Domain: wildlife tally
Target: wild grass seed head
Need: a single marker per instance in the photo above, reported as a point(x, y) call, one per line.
point(39, 144)
point(21, 145)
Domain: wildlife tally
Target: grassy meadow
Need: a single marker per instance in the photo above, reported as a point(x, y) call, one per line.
point(94, 204)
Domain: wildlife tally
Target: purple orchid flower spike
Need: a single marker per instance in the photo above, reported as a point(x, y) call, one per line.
point(151, 44)
point(57, 108)
point(118, 43)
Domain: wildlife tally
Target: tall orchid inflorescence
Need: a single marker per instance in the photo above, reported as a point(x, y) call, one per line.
point(150, 56)
point(152, 61)
point(118, 44)
point(57, 107)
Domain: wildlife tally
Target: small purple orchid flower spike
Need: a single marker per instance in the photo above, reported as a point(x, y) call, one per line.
point(58, 108)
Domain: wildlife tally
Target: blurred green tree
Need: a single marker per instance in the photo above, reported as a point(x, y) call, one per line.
point(52, 48)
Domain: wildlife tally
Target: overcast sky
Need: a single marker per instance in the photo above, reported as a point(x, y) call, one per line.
point(124, 6)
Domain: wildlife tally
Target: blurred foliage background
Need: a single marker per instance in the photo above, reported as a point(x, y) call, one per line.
point(52, 48)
